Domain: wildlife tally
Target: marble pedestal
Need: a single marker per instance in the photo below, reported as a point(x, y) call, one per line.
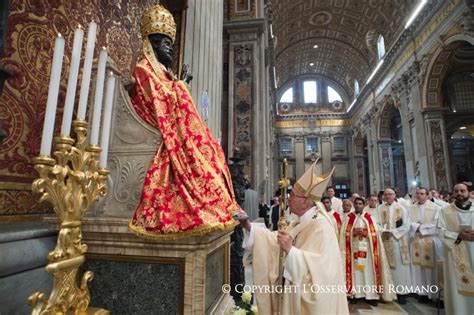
point(138, 276)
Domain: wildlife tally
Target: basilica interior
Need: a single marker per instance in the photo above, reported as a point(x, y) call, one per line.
point(382, 90)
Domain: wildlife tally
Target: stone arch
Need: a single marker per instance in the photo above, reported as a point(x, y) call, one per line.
point(437, 68)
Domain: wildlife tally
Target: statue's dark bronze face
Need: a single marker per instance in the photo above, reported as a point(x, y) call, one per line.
point(163, 48)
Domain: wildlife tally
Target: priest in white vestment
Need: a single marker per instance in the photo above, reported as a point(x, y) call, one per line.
point(425, 245)
point(312, 269)
point(456, 231)
point(367, 272)
point(336, 203)
point(395, 227)
point(347, 207)
point(335, 217)
point(372, 206)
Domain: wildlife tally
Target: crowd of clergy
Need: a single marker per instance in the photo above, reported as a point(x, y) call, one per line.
point(418, 245)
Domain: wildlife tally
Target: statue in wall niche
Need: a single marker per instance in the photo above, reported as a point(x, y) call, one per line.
point(187, 189)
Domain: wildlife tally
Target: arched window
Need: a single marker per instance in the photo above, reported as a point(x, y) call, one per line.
point(333, 95)
point(356, 88)
point(287, 97)
point(310, 92)
point(380, 47)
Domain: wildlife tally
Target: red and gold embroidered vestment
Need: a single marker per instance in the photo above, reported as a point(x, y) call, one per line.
point(187, 189)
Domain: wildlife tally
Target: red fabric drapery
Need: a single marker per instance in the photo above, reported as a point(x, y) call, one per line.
point(188, 188)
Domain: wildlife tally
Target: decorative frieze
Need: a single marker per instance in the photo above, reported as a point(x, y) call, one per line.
point(307, 123)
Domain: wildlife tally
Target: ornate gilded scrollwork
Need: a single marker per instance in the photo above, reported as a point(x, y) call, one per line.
point(71, 183)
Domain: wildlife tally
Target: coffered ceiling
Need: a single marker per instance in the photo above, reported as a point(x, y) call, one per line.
point(345, 32)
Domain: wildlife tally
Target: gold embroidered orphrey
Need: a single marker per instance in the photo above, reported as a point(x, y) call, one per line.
point(388, 244)
point(422, 247)
point(463, 272)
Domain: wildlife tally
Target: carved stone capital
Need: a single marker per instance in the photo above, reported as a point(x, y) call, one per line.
point(369, 116)
point(245, 30)
point(299, 136)
point(434, 113)
point(398, 87)
point(326, 136)
point(355, 130)
point(412, 74)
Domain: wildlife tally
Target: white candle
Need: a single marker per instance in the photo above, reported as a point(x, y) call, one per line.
point(99, 92)
point(72, 82)
point(105, 134)
point(53, 92)
point(86, 74)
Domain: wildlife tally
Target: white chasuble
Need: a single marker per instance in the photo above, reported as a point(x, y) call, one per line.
point(313, 272)
point(394, 219)
point(366, 269)
point(459, 260)
point(425, 247)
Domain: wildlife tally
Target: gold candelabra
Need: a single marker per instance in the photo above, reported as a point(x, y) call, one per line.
point(71, 183)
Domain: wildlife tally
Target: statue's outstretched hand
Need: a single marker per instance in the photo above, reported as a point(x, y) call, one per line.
point(186, 76)
point(243, 218)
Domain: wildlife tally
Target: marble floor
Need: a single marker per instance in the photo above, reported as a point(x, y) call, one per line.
point(411, 308)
